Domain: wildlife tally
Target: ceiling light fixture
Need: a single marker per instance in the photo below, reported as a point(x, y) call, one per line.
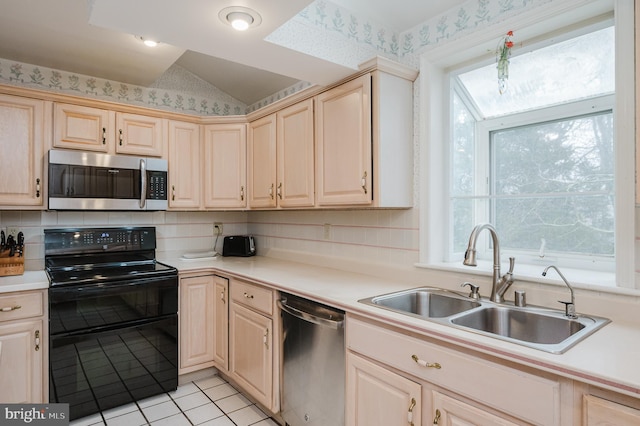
point(148, 42)
point(240, 18)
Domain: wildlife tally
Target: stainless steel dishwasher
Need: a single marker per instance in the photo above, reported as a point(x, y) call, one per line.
point(313, 363)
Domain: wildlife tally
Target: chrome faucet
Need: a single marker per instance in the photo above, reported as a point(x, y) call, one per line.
point(500, 283)
point(569, 307)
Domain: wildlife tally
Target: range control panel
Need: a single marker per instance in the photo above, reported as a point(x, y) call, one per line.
point(96, 240)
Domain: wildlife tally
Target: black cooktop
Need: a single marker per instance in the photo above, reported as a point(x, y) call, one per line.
point(77, 256)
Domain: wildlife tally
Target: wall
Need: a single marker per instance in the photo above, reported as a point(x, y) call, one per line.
point(176, 232)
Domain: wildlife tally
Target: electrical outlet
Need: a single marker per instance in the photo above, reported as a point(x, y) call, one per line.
point(217, 228)
point(12, 230)
point(327, 231)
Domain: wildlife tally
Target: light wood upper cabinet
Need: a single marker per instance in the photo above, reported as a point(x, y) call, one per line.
point(281, 158)
point(185, 174)
point(139, 135)
point(95, 129)
point(364, 142)
point(224, 166)
point(24, 138)
point(295, 156)
point(261, 160)
point(343, 144)
point(23, 341)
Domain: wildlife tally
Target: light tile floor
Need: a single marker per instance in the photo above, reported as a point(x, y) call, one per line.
point(208, 402)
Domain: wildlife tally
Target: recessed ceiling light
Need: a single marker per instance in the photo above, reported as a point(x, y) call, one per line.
point(240, 18)
point(148, 42)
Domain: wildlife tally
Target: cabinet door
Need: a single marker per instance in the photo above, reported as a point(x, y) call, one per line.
point(184, 165)
point(343, 144)
point(600, 412)
point(139, 135)
point(261, 156)
point(85, 128)
point(379, 397)
point(295, 156)
point(21, 360)
point(251, 352)
point(225, 165)
point(22, 135)
point(221, 320)
point(450, 411)
point(196, 322)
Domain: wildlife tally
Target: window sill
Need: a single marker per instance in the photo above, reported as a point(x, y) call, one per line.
point(578, 278)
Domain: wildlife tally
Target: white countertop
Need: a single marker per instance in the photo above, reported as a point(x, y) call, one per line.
point(608, 358)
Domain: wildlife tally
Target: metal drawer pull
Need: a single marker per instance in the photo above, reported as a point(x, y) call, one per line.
point(436, 419)
point(10, 308)
point(37, 340)
point(418, 361)
point(265, 338)
point(364, 182)
point(248, 296)
point(410, 414)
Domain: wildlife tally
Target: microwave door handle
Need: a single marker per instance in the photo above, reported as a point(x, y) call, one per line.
point(143, 182)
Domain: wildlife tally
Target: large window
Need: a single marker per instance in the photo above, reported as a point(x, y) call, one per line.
point(550, 162)
point(537, 161)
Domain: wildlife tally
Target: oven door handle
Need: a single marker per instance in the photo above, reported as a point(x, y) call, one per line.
point(79, 292)
point(143, 183)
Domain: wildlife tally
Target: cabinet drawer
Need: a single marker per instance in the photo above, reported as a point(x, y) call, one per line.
point(523, 395)
point(21, 305)
point(253, 296)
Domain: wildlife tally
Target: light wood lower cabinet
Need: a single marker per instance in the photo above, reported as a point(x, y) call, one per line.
point(252, 354)
point(22, 348)
point(602, 412)
point(203, 322)
point(379, 397)
point(458, 388)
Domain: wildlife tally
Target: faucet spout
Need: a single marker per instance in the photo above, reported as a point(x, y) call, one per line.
point(500, 283)
point(570, 307)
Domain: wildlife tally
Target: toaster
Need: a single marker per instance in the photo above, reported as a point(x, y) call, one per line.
point(239, 245)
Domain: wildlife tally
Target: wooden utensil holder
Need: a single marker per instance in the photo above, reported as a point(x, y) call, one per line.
point(13, 265)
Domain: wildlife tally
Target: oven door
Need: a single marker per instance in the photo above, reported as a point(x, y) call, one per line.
point(97, 370)
point(93, 306)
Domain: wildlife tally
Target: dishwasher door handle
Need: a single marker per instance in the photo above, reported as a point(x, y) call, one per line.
point(306, 316)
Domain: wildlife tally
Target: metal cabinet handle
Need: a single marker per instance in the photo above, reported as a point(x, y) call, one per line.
point(37, 340)
point(242, 193)
point(248, 296)
point(265, 338)
point(222, 296)
point(271, 192)
point(10, 308)
point(436, 419)
point(173, 192)
point(120, 137)
point(426, 364)
point(410, 413)
point(279, 191)
point(104, 135)
point(38, 188)
point(364, 182)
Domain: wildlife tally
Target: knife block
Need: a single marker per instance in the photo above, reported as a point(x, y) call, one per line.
point(13, 265)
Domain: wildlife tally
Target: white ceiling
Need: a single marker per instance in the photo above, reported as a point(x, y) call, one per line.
point(96, 38)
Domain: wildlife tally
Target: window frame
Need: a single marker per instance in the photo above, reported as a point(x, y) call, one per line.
point(435, 107)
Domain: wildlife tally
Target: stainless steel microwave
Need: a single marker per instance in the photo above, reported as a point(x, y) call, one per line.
point(92, 181)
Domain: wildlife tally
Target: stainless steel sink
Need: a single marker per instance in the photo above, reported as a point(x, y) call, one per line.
point(424, 302)
point(540, 328)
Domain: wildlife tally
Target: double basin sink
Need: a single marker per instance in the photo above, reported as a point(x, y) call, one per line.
point(536, 327)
